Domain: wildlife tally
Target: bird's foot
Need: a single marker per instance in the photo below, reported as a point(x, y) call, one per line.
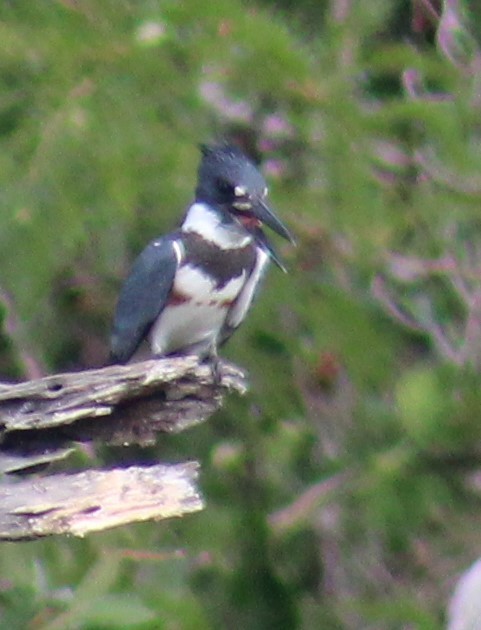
point(216, 368)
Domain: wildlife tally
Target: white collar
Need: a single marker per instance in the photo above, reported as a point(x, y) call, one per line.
point(204, 221)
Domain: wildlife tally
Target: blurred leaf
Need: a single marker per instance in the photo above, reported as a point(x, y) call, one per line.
point(421, 401)
point(122, 610)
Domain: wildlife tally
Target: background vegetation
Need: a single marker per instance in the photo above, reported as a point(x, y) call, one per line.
point(344, 490)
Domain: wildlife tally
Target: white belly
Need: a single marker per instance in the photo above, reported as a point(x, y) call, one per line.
point(194, 325)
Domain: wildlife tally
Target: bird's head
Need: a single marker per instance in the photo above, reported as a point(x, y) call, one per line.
point(228, 179)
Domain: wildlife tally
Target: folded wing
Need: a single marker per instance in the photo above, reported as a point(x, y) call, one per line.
point(144, 296)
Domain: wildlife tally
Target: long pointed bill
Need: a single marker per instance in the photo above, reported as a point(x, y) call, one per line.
point(262, 212)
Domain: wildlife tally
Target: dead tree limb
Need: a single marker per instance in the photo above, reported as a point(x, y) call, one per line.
point(121, 404)
point(43, 420)
point(94, 500)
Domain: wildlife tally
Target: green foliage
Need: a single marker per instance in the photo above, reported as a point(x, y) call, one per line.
point(341, 491)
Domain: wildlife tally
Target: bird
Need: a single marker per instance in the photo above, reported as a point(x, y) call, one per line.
point(188, 291)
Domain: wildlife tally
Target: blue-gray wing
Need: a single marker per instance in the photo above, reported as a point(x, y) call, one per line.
point(143, 296)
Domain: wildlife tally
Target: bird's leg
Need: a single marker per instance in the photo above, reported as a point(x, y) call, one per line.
point(215, 365)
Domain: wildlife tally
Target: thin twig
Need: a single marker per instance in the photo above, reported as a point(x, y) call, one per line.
point(307, 503)
point(380, 292)
point(31, 365)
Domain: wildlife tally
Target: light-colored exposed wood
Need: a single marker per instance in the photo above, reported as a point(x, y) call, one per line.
point(43, 420)
point(95, 500)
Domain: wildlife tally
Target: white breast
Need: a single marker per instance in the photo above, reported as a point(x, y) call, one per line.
point(191, 282)
point(194, 325)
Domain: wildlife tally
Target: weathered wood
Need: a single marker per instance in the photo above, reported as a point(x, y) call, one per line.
point(95, 500)
point(43, 420)
point(116, 405)
point(11, 462)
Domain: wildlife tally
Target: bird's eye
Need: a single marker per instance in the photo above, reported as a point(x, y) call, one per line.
point(225, 187)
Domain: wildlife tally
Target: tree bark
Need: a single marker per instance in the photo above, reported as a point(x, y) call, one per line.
point(44, 420)
point(94, 500)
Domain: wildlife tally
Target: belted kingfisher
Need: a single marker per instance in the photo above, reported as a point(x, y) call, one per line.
point(188, 291)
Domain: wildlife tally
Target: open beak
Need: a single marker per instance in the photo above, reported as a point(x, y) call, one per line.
point(263, 242)
point(265, 215)
point(253, 215)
